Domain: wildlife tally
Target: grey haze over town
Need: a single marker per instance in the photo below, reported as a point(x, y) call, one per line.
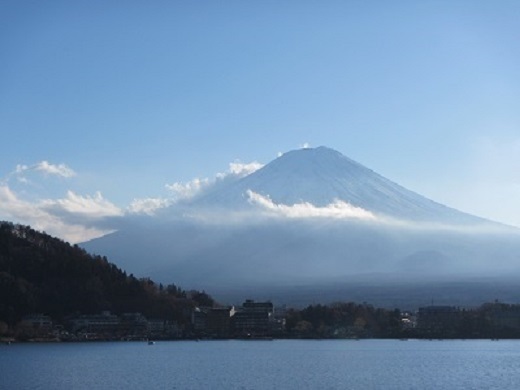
point(314, 224)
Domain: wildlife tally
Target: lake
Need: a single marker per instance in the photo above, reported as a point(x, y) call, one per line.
point(255, 364)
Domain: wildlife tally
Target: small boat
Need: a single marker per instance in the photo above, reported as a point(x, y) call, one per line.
point(150, 342)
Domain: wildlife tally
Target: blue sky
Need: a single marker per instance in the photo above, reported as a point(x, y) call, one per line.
point(131, 97)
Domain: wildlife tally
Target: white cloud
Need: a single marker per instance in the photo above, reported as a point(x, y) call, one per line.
point(77, 217)
point(305, 145)
point(47, 169)
point(148, 206)
point(44, 168)
point(188, 190)
point(343, 211)
point(21, 168)
point(196, 186)
point(241, 169)
point(337, 210)
point(37, 216)
point(95, 206)
point(74, 218)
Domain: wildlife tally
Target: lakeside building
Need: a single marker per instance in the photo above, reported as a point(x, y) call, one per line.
point(127, 325)
point(198, 320)
point(253, 319)
point(408, 320)
point(133, 324)
point(278, 320)
point(264, 320)
point(105, 322)
point(212, 321)
point(157, 328)
point(39, 322)
point(218, 321)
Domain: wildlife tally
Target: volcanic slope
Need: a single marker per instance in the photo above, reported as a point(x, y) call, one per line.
point(321, 176)
point(292, 231)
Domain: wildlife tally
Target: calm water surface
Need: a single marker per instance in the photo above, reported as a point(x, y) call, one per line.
point(282, 364)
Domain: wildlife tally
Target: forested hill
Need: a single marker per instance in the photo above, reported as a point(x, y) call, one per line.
point(42, 274)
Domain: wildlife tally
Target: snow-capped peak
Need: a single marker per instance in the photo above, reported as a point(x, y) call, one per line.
point(322, 176)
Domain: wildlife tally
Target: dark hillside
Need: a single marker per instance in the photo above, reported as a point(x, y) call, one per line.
point(42, 274)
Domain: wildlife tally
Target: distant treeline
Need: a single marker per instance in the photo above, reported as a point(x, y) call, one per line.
point(349, 320)
point(343, 320)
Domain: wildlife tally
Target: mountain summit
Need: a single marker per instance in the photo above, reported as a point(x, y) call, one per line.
point(362, 239)
point(322, 176)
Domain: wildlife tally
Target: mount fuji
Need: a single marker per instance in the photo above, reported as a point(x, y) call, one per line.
point(323, 176)
point(314, 223)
